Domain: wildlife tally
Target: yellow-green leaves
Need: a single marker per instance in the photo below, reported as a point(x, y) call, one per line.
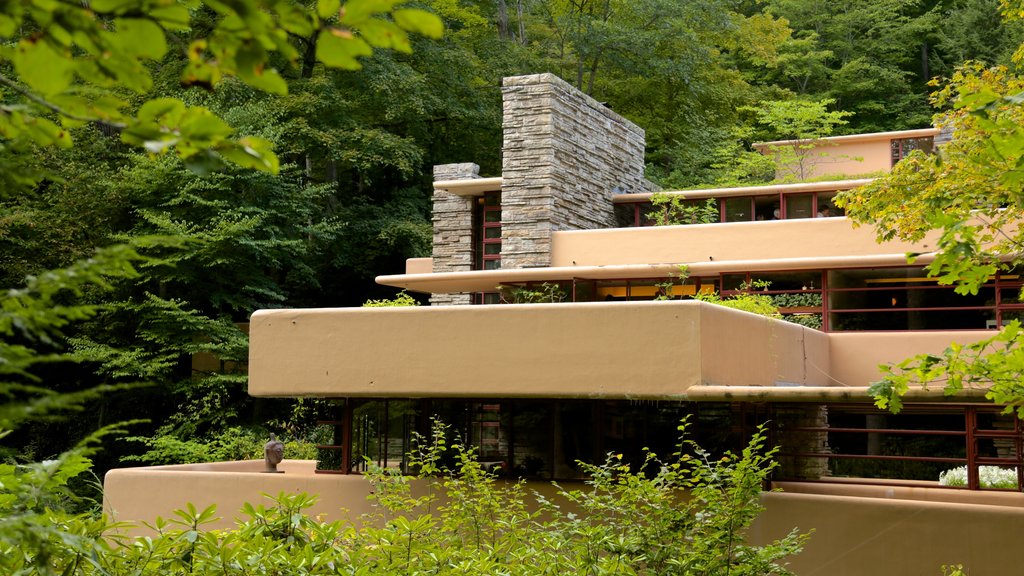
point(363, 28)
point(140, 38)
point(197, 135)
point(74, 53)
point(339, 49)
point(41, 67)
point(327, 8)
point(419, 21)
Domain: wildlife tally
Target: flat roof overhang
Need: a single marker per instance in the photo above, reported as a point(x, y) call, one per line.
point(872, 136)
point(823, 394)
point(763, 190)
point(488, 280)
point(469, 186)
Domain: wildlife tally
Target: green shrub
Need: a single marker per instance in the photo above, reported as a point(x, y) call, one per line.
point(401, 299)
point(468, 522)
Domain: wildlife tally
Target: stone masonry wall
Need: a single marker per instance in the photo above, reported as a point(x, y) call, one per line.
point(453, 229)
point(564, 156)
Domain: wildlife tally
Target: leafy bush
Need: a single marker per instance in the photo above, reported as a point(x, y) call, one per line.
point(674, 210)
point(234, 443)
point(988, 476)
point(468, 522)
point(547, 292)
point(808, 320)
point(748, 302)
point(401, 299)
point(797, 300)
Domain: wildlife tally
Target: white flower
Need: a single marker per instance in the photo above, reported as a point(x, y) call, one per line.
point(988, 477)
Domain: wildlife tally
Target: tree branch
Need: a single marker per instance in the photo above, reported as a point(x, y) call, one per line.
point(33, 97)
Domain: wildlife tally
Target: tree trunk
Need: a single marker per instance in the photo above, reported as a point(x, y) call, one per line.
point(502, 20)
point(521, 22)
point(309, 57)
point(925, 71)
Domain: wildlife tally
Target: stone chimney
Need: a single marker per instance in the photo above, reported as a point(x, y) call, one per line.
point(564, 156)
point(453, 228)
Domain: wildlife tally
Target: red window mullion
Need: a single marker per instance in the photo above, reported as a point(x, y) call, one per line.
point(971, 424)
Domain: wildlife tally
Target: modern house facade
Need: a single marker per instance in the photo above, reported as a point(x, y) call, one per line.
point(562, 327)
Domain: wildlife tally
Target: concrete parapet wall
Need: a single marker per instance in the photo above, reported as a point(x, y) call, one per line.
point(748, 241)
point(858, 531)
point(643, 350)
point(855, 356)
point(858, 536)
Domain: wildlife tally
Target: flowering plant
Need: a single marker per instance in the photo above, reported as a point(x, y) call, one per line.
point(988, 476)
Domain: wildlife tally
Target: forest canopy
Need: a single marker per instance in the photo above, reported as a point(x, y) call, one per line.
point(282, 156)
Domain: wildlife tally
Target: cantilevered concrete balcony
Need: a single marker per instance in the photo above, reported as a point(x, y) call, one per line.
point(684, 350)
point(799, 243)
point(643, 350)
point(706, 249)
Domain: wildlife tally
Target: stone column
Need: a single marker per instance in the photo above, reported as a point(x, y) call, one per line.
point(802, 416)
point(564, 155)
point(453, 229)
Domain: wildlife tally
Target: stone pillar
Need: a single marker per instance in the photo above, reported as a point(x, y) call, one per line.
point(564, 155)
point(453, 229)
point(802, 416)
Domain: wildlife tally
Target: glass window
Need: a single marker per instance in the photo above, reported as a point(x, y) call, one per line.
point(766, 207)
point(612, 290)
point(789, 280)
point(901, 147)
point(739, 209)
point(381, 433)
point(733, 281)
point(826, 206)
point(799, 206)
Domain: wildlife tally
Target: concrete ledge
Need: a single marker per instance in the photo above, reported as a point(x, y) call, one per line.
point(639, 350)
point(856, 536)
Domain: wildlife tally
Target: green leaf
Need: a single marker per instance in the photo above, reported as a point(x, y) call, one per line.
point(294, 20)
point(251, 152)
point(42, 68)
point(327, 8)
point(46, 132)
point(339, 49)
point(173, 17)
point(142, 38)
point(159, 108)
point(251, 61)
point(113, 6)
point(384, 34)
point(8, 25)
point(419, 21)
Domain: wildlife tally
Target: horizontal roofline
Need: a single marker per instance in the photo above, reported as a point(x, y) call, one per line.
point(488, 280)
point(469, 186)
point(837, 394)
point(850, 138)
point(748, 190)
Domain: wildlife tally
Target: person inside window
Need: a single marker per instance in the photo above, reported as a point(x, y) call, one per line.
point(825, 211)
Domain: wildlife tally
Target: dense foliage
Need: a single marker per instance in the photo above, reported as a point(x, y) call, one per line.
point(969, 195)
point(465, 521)
point(168, 103)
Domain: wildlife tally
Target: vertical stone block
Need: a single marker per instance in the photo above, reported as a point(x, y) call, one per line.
point(564, 155)
point(453, 229)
